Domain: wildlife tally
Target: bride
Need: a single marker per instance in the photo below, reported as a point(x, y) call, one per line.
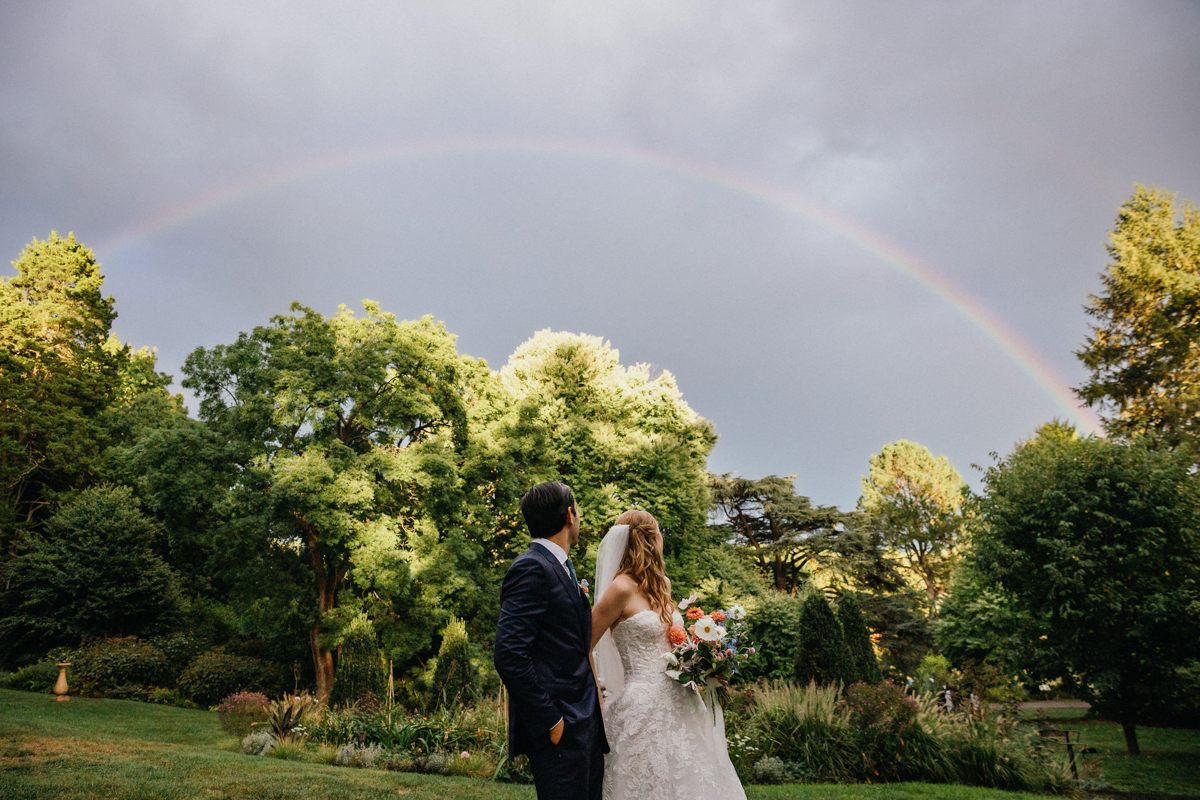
point(664, 741)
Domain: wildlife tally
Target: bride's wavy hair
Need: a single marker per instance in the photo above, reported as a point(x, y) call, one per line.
point(644, 563)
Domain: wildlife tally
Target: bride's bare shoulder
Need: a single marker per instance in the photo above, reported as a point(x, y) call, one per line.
point(624, 584)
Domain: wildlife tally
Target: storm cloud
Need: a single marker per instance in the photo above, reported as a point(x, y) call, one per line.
point(726, 191)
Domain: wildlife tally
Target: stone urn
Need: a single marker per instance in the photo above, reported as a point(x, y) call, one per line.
point(60, 688)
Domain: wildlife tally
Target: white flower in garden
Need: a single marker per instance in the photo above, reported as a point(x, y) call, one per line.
point(736, 612)
point(707, 629)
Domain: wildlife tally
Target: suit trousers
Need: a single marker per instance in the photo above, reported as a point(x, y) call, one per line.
point(569, 773)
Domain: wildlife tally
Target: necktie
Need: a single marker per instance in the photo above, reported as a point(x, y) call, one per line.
point(574, 577)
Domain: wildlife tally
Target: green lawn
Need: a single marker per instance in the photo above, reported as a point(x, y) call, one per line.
point(115, 749)
point(1169, 764)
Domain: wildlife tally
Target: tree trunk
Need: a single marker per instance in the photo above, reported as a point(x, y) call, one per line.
point(329, 578)
point(323, 662)
point(1131, 742)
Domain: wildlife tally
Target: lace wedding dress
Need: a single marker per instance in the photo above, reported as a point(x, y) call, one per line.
point(664, 742)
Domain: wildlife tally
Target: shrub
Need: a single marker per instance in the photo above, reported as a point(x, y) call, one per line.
point(775, 629)
point(287, 716)
point(216, 674)
point(820, 654)
point(238, 712)
point(860, 662)
point(456, 679)
point(104, 666)
point(933, 674)
point(259, 743)
point(882, 705)
point(776, 770)
point(39, 677)
point(178, 650)
point(356, 755)
point(92, 573)
point(360, 669)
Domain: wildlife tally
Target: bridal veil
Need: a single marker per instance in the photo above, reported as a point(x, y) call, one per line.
point(609, 669)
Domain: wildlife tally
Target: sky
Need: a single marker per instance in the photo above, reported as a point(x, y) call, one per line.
point(837, 224)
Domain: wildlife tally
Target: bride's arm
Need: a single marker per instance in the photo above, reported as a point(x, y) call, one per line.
point(611, 604)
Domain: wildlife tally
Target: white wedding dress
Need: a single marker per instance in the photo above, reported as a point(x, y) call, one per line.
point(664, 741)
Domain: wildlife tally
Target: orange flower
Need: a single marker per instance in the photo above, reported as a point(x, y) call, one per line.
point(677, 634)
point(694, 613)
point(718, 616)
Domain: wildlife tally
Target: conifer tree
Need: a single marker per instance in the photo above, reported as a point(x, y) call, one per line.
point(861, 664)
point(360, 666)
point(820, 653)
point(456, 679)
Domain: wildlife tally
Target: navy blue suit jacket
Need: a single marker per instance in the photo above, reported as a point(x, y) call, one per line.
point(541, 653)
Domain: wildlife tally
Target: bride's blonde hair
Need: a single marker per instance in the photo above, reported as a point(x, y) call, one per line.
point(644, 563)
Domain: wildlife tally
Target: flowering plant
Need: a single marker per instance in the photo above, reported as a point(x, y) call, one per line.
point(710, 648)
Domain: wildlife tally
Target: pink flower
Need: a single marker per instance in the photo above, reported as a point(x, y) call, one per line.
point(729, 651)
point(751, 651)
point(464, 754)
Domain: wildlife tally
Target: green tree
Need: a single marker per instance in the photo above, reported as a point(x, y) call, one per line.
point(918, 501)
point(820, 649)
point(861, 664)
point(350, 430)
point(93, 571)
point(1099, 541)
point(785, 535)
point(61, 371)
point(1142, 352)
point(456, 679)
point(360, 666)
point(618, 436)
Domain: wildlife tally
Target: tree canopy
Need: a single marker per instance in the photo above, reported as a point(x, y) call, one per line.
point(1099, 541)
point(918, 500)
point(1142, 353)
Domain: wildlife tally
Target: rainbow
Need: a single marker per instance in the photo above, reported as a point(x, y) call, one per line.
point(964, 304)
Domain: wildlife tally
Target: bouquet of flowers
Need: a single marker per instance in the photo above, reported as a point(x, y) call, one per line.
point(708, 647)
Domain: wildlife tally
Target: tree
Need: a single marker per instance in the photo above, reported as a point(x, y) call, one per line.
point(456, 679)
point(861, 664)
point(820, 650)
point(618, 436)
point(1145, 375)
point(61, 370)
point(780, 530)
point(350, 430)
point(918, 500)
point(92, 572)
point(360, 667)
point(1099, 542)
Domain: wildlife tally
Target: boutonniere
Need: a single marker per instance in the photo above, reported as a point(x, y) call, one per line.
point(583, 587)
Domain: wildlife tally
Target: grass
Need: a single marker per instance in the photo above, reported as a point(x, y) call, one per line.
point(1169, 764)
point(117, 749)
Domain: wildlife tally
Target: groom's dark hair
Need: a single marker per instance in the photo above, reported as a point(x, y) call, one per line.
point(545, 508)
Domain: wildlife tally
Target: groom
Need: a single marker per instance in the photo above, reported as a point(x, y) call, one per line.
point(542, 644)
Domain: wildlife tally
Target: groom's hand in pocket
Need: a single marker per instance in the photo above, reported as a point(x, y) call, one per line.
point(557, 731)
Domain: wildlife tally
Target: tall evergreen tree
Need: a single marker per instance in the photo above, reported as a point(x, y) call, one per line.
point(861, 664)
point(360, 667)
point(820, 652)
point(1142, 351)
point(91, 572)
point(456, 679)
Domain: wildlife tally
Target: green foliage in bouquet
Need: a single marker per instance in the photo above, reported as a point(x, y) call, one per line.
point(360, 669)
point(861, 665)
point(820, 653)
point(456, 679)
